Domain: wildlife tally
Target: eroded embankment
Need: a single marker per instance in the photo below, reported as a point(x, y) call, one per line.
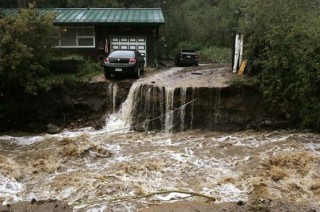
point(187, 108)
point(192, 98)
point(172, 100)
point(65, 105)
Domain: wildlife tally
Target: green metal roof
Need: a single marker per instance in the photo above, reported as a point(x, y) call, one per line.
point(101, 15)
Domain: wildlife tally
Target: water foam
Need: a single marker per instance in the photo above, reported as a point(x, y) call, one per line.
point(9, 189)
point(120, 122)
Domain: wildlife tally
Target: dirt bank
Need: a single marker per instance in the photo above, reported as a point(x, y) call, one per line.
point(37, 206)
point(254, 205)
point(263, 205)
point(65, 105)
point(215, 104)
point(209, 75)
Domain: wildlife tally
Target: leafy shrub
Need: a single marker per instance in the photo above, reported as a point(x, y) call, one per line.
point(85, 70)
point(89, 69)
point(285, 52)
point(69, 64)
point(216, 54)
point(25, 46)
point(212, 54)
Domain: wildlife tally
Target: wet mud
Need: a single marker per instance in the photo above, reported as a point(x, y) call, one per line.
point(37, 206)
point(254, 205)
point(91, 170)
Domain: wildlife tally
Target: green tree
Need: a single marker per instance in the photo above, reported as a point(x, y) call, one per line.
point(50, 3)
point(26, 42)
point(92, 3)
point(283, 44)
point(199, 24)
point(8, 3)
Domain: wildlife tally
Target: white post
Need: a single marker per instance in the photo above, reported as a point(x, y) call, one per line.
point(236, 54)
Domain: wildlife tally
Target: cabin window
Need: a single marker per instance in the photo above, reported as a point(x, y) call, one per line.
point(76, 37)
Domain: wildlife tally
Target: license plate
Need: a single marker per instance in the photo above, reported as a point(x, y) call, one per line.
point(188, 56)
point(118, 69)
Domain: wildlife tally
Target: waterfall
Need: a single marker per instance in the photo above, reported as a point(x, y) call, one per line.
point(163, 102)
point(162, 105)
point(147, 109)
point(156, 104)
point(217, 102)
point(112, 95)
point(153, 107)
point(169, 94)
point(192, 109)
point(183, 97)
point(121, 120)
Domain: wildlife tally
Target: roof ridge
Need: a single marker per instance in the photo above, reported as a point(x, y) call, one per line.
point(101, 15)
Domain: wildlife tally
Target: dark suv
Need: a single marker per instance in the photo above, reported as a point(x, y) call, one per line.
point(186, 58)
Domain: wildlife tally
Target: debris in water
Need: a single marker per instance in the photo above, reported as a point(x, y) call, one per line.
point(196, 73)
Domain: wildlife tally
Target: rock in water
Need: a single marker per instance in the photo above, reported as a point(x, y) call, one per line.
point(53, 129)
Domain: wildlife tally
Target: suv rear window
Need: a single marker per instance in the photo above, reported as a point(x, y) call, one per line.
point(188, 52)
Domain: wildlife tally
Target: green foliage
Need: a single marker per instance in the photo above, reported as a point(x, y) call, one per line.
point(64, 3)
point(66, 64)
point(212, 54)
point(8, 3)
point(25, 47)
point(183, 45)
point(88, 70)
point(284, 47)
point(201, 23)
point(92, 3)
point(216, 54)
point(49, 3)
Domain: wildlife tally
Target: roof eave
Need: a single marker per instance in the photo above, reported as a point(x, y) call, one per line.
point(109, 23)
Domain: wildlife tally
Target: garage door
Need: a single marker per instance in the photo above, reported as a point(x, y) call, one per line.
point(124, 43)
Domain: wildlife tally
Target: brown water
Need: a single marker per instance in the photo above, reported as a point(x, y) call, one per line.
point(116, 170)
point(94, 170)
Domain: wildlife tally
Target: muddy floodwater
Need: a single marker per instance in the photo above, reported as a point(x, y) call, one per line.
point(99, 171)
point(115, 169)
